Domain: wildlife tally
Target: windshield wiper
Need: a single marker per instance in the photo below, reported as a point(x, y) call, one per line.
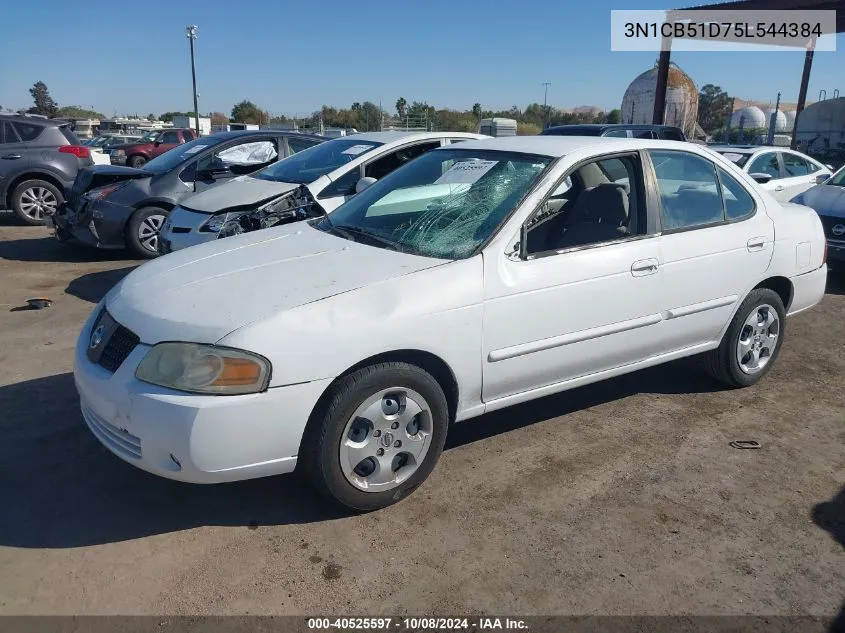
point(354, 230)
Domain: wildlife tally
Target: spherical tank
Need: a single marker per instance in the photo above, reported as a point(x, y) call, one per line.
point(750, 116)
point(681, 100)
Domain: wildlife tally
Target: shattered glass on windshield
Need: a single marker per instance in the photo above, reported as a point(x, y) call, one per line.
point(443, 204)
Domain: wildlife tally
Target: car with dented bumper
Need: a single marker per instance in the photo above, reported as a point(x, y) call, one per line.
point(478, 276)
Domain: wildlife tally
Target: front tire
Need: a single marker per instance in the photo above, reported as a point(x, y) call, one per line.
point(137, 161)
point(143, 231)
point(376, 436)
point(752, 342)
point(33, 200)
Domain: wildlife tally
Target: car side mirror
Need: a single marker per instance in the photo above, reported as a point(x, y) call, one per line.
point(156, 142)
point(822, 178)
point(364, 183)
point(761, 177)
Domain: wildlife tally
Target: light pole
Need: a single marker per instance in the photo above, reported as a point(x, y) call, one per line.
point(191, 33)
point(546, 85)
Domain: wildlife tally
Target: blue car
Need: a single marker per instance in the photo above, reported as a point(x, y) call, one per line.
point(828, 200)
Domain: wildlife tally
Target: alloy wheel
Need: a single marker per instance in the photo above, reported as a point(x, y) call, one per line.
point(758, 339)
point(36, 202)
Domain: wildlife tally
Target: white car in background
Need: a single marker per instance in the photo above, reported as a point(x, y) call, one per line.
point(782, 172)
point(480, 275)
point(312, 182)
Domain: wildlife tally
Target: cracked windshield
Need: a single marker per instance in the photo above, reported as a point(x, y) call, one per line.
point(445, 204)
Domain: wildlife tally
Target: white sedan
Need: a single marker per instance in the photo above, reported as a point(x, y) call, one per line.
point(312, 182)
point(477, 276)
point(782, 172)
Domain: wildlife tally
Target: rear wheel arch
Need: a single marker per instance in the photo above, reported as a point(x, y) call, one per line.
point(782, 286)
point(30, 175)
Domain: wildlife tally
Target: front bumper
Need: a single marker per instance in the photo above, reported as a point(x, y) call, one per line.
point(99, 223)
point(182, 230)
point(186, 437)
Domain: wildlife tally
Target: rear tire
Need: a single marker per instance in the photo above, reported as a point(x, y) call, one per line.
point(752, 341)
point(137, 161)
point(391, 419)
point(143, 230)
point(33, 199)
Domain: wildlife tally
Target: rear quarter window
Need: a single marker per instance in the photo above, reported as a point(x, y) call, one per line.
point(28, 131)
point(69, 136)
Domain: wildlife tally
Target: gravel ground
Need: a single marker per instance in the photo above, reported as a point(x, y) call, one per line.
point(618, 498)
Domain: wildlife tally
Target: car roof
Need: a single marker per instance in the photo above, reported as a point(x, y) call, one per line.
point(238, 133)
point(23, 118)
point(389, 137)
point(557, 146)
point(741, 149)
point(611, 126)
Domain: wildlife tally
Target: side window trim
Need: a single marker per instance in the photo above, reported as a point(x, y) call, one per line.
point(728, 220)
point(643, 199)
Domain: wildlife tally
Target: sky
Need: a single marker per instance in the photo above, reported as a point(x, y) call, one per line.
point(292, 57)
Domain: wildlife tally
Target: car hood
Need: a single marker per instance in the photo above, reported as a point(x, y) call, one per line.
point(243, 191)
point(825, 199)
point(203, 293)
point(89, 178)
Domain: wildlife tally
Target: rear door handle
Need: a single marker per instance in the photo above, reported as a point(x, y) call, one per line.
point(643, 267)
point(756, 243)
point(11, 157)
point(779, 188)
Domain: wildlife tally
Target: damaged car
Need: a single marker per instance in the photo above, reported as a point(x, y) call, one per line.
point(116, 207)
point(310, 184)
point(477, 276)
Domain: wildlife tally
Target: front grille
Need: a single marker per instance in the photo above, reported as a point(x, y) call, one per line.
point(118, 347)
point(118, 440)
point(828, 222)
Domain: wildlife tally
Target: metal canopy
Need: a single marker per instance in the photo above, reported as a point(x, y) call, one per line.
point(716, 11)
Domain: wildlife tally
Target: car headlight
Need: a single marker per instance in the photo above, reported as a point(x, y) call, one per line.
point(218, 221)
point(208, 369)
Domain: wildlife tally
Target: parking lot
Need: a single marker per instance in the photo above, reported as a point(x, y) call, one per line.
point(623, 497)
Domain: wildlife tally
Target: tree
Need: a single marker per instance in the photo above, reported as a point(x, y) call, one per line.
point(476, 110)
point(614, 116)
point(248, 112)
point(44, 103)
point(714, 106)
point(401, 107)
point(218, 118)
point(78, 112)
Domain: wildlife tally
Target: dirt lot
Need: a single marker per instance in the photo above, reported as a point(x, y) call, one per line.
point(619, 498)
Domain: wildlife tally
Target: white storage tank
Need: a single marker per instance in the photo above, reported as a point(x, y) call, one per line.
point(681, 100)
point(821, 126)
point(750, 116)
point(790, 120)
point(780, 120)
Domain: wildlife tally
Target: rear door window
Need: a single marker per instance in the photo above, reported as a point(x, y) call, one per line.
point(795, 165)
point(617, 133)
point(672, 135)
point(765, 164)
point(644, 134)
point(9, 133)
point(689, 190)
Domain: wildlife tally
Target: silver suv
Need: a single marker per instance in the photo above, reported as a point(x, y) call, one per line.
point(39, 159)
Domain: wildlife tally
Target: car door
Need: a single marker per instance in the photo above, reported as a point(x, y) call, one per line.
point(769, 163)
point(715, 245)
point(14, 158)
point(233, 159)
point(166, 140)
point(800, 174)
point(583, 296)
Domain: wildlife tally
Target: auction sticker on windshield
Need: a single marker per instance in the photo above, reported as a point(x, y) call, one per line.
point(466, 171)
point(356, 149)
point(196, 148)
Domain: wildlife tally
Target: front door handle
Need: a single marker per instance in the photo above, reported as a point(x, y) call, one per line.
point(11, 157)
point(756, 244)
point(643, 267)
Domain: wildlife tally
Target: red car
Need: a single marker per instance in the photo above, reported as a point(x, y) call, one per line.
point(151, 145)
